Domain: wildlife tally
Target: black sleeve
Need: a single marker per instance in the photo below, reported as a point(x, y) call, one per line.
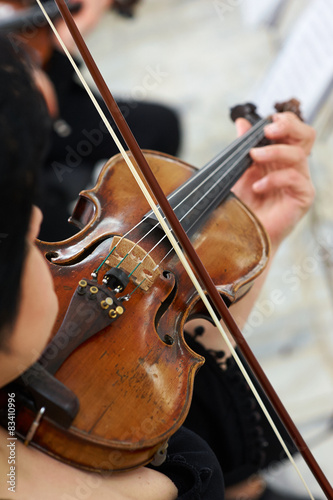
point(226, 415)
point(193, 467)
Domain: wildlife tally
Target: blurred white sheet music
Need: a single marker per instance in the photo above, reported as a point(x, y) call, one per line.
point(256, 12)
point(304, 66)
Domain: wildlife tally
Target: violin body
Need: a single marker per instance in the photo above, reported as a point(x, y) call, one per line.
point(134, 378)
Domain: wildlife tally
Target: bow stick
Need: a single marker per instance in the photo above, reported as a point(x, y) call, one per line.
point(192, 257)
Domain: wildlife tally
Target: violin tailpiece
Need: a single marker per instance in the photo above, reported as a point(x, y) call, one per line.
point(92, 308)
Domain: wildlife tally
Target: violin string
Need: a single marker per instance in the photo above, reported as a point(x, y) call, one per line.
point(259, 135)
point(179, 252)
point(118, 243)
point(249, 143)
point(239, 141)
point(95, 273)
point(252, 139)
point(242, 141)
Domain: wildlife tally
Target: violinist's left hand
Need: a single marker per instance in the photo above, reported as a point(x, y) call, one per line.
point(278, 186)
point(279, 190)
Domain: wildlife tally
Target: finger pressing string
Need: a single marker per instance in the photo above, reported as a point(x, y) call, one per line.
point(286, 126)
point(281, 154)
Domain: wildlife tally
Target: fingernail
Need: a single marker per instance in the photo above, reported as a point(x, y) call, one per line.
point(260, 184)
point(273, 129)
point(259, 152)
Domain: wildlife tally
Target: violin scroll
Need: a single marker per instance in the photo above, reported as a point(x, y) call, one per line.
point(125, 7)
point(248, 110)
point(292, 105)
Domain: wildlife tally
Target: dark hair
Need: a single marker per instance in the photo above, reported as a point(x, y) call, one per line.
point(24, 130)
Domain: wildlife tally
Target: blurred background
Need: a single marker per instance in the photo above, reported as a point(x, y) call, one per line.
point(204, 56)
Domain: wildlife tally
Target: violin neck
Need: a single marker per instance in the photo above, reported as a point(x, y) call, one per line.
point(194, 201)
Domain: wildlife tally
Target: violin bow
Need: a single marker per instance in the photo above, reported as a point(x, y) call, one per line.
point(191, 258)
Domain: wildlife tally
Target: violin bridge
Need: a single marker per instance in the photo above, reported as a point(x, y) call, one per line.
point(134, 260)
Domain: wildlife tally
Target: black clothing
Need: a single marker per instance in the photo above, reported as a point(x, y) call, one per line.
point(269, 494)
point(225, 413)
point(193, 467)
point(79, 141)
point(237, 439)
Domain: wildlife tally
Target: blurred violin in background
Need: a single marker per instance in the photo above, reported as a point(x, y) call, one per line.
point(23, 20)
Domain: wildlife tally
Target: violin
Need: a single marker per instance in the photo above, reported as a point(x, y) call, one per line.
point(118, 342)
point(131, 296)
point(30, 14)
point(25, 23)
